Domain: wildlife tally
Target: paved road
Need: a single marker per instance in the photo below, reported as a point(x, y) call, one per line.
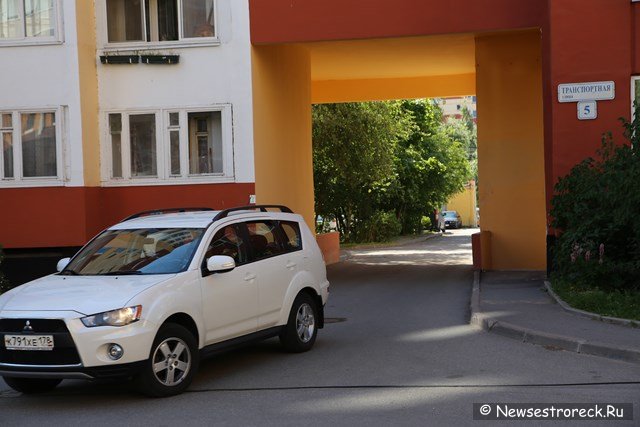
point(404, 355)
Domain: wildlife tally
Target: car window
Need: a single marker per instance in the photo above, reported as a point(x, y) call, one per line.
point(293, 242)
point(264, 240)
point(228, 241)
point(137, 251)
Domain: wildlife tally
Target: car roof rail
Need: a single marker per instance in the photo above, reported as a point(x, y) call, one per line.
point(164, 211)
point(263, 208)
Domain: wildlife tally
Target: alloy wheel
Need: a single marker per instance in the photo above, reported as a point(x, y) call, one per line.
point(171, 361)
point(305, 322)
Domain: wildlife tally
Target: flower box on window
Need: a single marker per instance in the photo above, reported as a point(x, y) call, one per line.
point(120, 59)
point(160, 59)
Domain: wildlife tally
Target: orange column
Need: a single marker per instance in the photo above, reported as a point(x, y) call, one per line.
point(511, 150)
point(282, 128)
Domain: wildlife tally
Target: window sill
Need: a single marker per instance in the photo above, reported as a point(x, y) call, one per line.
point(25, 43)
point(141, 47)
point(31, 183)
point(141, 182)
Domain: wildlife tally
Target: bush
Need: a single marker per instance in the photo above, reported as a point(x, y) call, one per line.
point(425, 222)
point(380, 227)
point(596, 211)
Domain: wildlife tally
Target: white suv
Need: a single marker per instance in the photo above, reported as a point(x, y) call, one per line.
point(152, 295)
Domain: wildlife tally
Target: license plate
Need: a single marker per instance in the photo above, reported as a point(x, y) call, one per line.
point(28, 342)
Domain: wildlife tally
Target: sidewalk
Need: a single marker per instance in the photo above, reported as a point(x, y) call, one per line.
point(517, 305)
point(347, 253)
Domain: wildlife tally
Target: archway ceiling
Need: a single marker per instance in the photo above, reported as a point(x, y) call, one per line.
point(392, 58)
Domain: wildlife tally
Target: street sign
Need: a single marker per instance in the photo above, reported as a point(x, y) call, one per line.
point(587, 110)
point(593, 91)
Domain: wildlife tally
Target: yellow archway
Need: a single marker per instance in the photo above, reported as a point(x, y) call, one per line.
point(503, 69)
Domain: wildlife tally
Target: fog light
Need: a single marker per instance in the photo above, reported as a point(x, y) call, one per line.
point(115, 352)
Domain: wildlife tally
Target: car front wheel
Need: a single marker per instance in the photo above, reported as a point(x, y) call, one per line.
point(301, 330)
point(172, 364)
point(32, 385)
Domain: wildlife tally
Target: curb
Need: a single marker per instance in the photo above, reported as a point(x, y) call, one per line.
point(615, 320)
point(526, 335)
point(346, 254)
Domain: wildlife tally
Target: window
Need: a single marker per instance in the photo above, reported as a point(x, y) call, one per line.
point(160, 20)
point(263, 238)
point(174, 143)
point(138, 251)
point(115, 130)
point(30, 146)
point(229, 242)
point(142, 145)
point(291, 230)
point(28, 20)
point(635, 94)
point(7, 145)
point(169, 145)
point(205, 143)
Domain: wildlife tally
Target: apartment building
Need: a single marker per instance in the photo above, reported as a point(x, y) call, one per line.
point(109, 107)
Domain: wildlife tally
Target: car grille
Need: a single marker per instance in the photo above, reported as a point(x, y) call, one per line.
point(64, 351)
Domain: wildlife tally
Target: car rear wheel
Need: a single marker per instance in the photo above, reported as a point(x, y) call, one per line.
point(301, 330)
point(32, 385)
point(172, 363)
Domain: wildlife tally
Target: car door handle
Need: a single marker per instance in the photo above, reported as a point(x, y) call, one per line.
point(291, 265)
point(249, 277)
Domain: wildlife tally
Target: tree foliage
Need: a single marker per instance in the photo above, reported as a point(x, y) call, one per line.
point(373, 159)
point(465, 131)
point(430, 167)
point(353, 155)
point(596, 210)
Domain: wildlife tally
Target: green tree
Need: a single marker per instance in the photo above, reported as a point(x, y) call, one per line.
point(459, 130)
point(353, 154)
point(465, 131)
point(374, 158)
point(431, 166)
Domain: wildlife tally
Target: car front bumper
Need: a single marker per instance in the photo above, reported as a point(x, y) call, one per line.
point(79, 352)
point(70, 371)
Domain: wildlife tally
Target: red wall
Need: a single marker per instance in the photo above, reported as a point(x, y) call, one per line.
point(585, 40)
point(69, 216)
point(590, 41)
point(285, 21)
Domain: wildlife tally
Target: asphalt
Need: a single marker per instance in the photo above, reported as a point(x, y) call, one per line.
point(520, 305)
point(398, 350)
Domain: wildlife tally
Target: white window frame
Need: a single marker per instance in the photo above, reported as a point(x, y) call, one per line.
point(635, 80)
point(58, 30)
point(154, 45)
point(18, 179)
point(163, 148)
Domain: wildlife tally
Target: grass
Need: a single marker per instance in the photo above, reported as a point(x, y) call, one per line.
point(622, 304)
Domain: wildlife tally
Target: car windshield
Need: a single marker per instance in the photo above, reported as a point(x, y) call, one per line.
point(140, 251)
point(450, 214)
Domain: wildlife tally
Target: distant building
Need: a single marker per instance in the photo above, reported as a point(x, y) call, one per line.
point(453, 107)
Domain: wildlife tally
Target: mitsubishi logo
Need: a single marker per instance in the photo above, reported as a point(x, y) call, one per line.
point(27, 327)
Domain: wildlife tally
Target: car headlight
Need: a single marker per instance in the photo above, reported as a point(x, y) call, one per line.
point(120, 317)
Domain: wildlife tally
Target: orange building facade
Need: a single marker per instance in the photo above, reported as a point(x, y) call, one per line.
point(521, 52)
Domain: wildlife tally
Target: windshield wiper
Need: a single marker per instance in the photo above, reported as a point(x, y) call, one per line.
point(68, 273)
point(122, 273)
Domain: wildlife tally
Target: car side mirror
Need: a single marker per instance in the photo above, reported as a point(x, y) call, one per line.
point(62, 264)
point(220, 264)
